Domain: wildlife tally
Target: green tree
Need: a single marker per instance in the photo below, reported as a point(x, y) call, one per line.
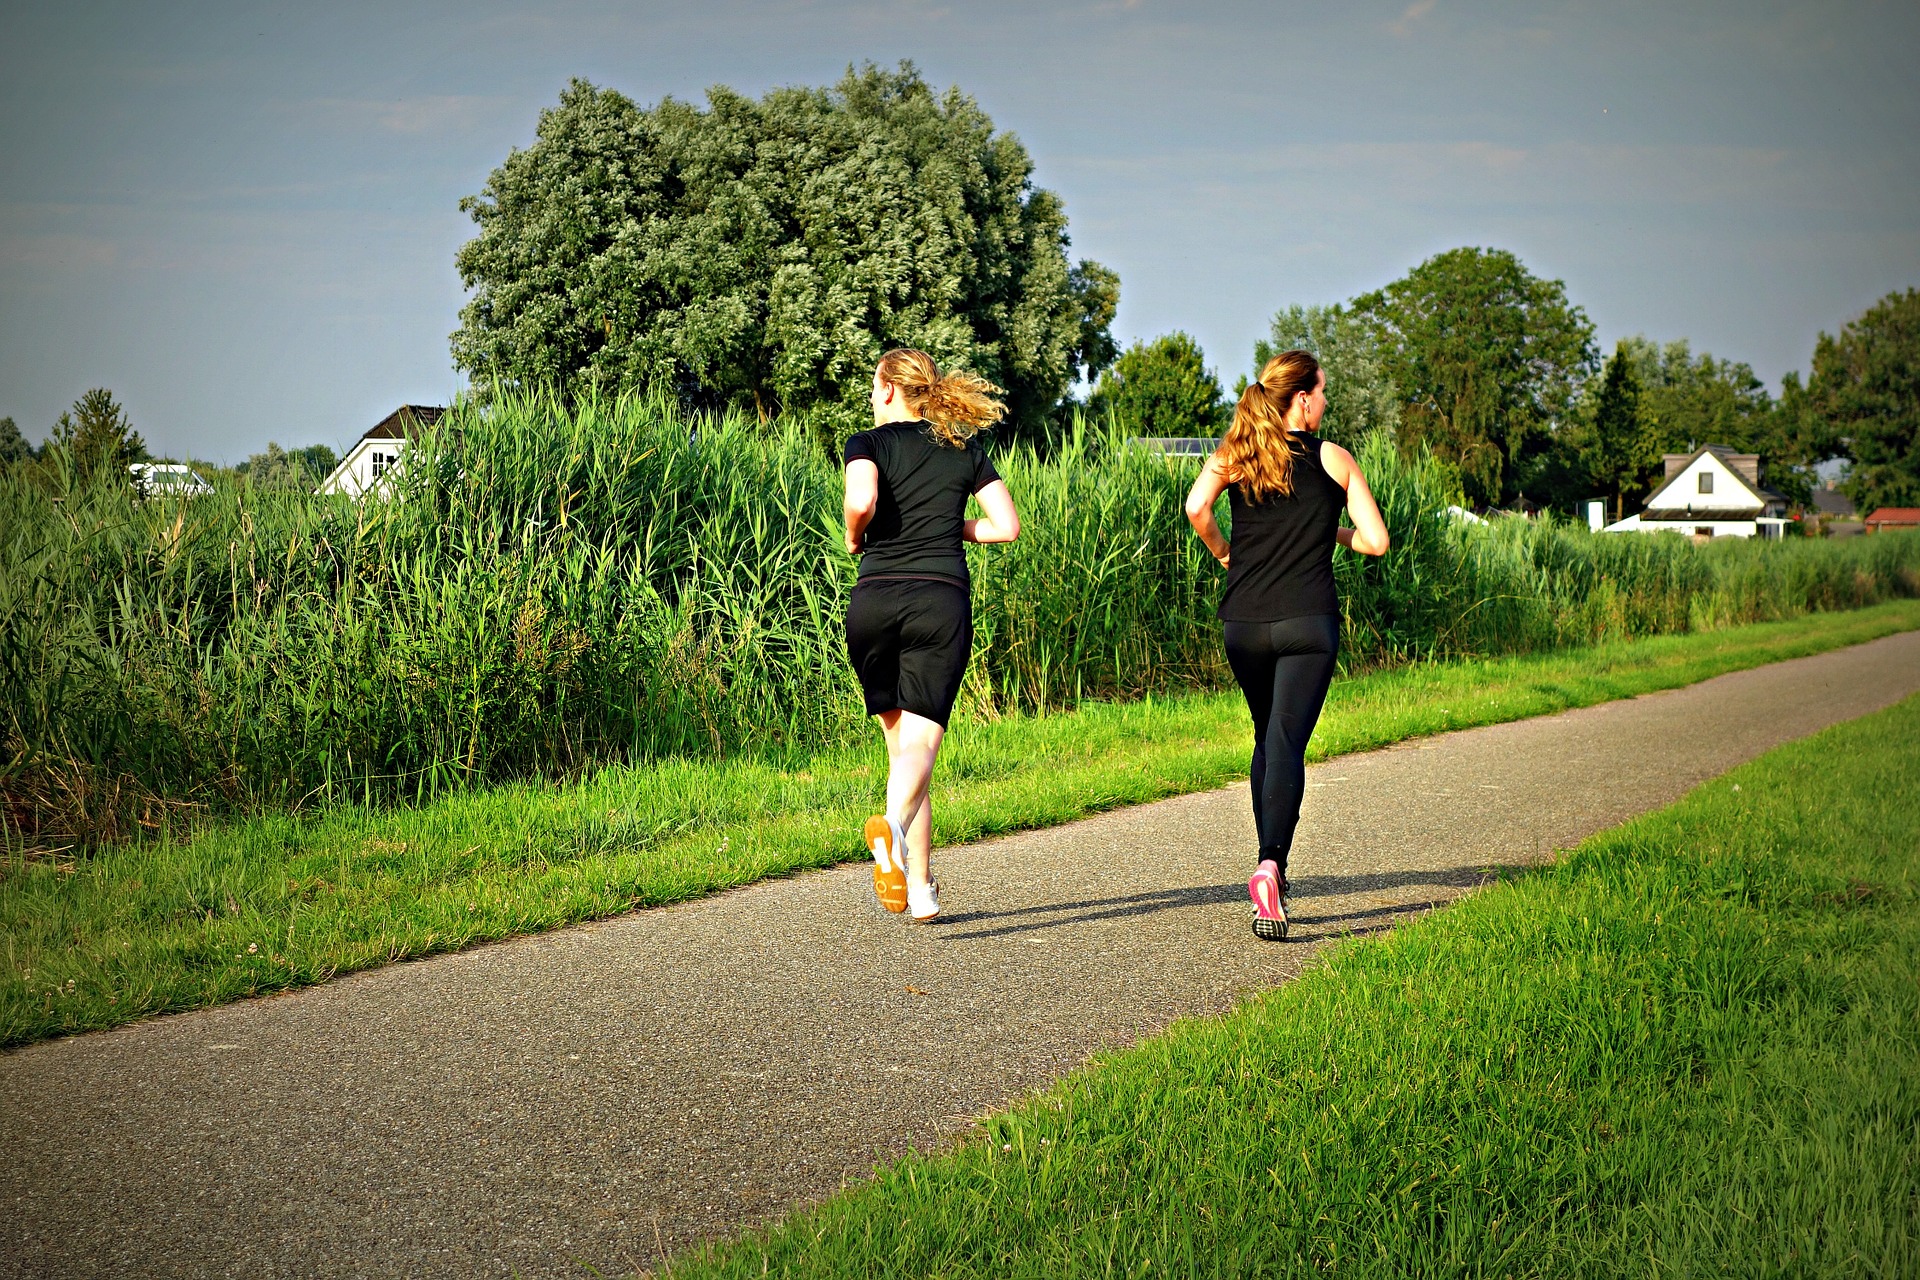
point(1361, 396)
point(280, 468)
point(764, 254)
point(1865, 389)
point(98, 435)
point(1490, 360)
point(1162, 388)
point(1622, 448)
point(1688, 401)
point(13, 446)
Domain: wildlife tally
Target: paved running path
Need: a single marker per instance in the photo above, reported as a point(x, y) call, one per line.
point(596, 1094)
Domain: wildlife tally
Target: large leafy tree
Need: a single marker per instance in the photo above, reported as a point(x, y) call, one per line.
point(1162, 388)
point(1689, 400)
point(1622, 446)
point(13, 446)
point(1866, 389)
point(1361, 396)
point(98, 435)
point(764, 254)
point(1489, 359)
point(280, 468)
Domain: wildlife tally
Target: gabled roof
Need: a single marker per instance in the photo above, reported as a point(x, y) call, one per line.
point(407, 420)
point(1831, 502)
point(1725, 456)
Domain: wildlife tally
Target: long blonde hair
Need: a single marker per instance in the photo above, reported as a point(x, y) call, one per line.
point(956, 404)
point(1256, 452)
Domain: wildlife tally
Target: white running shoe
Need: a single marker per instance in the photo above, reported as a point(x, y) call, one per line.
point(924, 901)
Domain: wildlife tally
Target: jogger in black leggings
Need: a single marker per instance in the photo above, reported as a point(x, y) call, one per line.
point(1284, 669)
point(1286, 491)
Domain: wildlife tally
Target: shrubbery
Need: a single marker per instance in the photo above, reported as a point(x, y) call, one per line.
point(557, 588)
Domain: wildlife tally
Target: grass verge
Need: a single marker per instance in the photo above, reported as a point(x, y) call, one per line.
point(1691, 1047)
point(269, 904)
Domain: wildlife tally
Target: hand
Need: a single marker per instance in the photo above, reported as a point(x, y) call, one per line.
point(1224, 557)
point(853, 545)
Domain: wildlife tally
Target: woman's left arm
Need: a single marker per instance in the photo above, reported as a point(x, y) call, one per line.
point(1002, 522)
point(1369, 533)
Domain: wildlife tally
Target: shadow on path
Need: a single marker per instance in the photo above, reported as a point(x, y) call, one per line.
point(1067, 913)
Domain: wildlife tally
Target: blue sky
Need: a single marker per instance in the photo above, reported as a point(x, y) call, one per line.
point(242, 217)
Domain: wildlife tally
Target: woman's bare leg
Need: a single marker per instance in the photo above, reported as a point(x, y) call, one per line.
point(912, 743)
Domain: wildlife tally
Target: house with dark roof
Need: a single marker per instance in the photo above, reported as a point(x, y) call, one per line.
point(1712, 492)
point(375, 455)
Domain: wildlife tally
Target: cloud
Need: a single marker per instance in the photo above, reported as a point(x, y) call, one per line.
point(431, 114)
point(1482, 174)
point(1404, 24)
point(58, 249)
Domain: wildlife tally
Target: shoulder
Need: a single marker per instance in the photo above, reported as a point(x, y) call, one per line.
point(1336, 462)
point(862, 444)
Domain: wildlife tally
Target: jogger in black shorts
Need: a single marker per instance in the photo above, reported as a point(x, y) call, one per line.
point(1281, 616)
point(910, 619)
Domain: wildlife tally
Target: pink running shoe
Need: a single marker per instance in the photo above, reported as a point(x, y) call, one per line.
point(1269, 906)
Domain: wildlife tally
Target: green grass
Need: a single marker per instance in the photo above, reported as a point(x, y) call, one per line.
point(267, 904)
point(561, 587)
point(1690, 1048)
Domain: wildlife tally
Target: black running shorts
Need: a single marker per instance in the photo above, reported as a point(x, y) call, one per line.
point(909, 639)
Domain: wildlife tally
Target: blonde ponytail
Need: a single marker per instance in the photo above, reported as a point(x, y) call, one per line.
point(1256, 451)
point(956, 405)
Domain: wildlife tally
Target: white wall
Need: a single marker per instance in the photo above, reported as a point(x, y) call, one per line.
point(363, 467)
point(1730, 491)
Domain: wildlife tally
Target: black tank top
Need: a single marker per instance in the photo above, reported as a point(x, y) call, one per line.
point(1282, 562)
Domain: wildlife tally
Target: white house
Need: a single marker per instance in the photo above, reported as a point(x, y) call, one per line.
point(1712, 492)
point(378, 451)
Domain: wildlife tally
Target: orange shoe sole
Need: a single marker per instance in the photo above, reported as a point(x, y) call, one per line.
point(889, 864)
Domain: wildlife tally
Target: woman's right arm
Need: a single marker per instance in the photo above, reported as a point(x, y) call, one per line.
point(1200, 499)
point(863, 497)
point(1369, 533)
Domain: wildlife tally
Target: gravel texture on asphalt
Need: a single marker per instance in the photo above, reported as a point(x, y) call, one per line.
point(601, 1094)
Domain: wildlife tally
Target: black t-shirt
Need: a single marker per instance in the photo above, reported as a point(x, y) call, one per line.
point(924, 487)
point(1283, 547)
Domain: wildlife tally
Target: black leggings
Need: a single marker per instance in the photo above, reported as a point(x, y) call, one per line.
point(1283, 669)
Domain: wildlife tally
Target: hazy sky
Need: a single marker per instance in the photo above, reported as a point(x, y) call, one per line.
point(242, 217)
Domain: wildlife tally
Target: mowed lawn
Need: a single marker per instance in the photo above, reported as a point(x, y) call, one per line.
point(250, 907)
point(1692, 1047)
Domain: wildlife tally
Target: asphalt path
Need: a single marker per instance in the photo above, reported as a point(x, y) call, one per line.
point(603, 1094)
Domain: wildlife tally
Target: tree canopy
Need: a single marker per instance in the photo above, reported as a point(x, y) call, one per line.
point(1624, 448)
point(764, 254)
point(1489, 359)
point(1687, 401)
point(99, 436)
point(1162, 388)
point(1866, 389)
point(280, 468)
point(1361, 396)
point(14, 447)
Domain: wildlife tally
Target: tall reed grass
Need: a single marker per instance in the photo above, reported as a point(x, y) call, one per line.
point(551, 587)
